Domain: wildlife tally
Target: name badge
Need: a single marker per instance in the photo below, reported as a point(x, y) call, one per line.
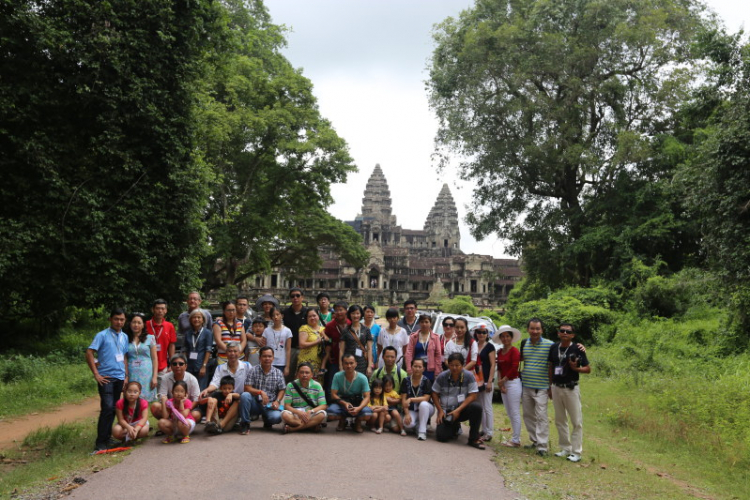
point(558, 370)
point(461, 398)
point(193, 355)
point(358, 353)
point(119, 358)
point(158, 347)
point(136, 363)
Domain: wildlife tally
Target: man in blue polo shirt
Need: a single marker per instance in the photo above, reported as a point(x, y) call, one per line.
point(110, 371)
point(535, 383)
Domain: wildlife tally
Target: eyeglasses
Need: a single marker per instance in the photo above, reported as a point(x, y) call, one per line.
point(562, 330)
point(296, 295)
point(178, 364)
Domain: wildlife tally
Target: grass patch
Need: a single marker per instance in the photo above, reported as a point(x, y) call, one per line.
point(631, 450)
point(51, 457)
point(46, 386)
point(46, 373)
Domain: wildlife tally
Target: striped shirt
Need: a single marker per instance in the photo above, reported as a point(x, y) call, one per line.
point(314, 393)
point(535, 374)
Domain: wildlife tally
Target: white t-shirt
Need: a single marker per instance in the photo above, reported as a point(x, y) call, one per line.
point(398, 340)
point(452, 347)
point(276, 339)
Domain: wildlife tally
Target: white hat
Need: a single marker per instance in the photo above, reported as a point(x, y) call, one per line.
point(507, 328)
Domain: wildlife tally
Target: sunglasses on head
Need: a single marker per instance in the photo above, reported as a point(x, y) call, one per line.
point(176, 363)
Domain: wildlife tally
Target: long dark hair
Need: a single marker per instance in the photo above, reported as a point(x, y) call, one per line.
point(126, 405)
point(467, 335)
point(144, 333)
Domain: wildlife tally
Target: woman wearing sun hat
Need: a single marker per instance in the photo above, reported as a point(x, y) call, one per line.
point(508, 360)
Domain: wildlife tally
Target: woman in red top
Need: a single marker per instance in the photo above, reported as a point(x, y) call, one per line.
point(508, 359)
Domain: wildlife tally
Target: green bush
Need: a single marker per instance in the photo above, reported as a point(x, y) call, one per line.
point(460, 304)
point(600, 295)
point(553, 311)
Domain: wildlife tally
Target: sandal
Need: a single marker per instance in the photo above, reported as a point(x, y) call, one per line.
point(403, 432)
point(358, 427)
point(477, 444)
point(168, 440)
point(341, 426)
point(185, 440)
point(285, 430)
point(379, 430)
point(510, 444)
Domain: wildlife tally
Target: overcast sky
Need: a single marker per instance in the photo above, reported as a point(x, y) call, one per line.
point(367, 61)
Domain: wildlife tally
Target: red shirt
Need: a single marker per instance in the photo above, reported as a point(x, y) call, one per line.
point(165, 335)
point(508, 363)
point(333, 332)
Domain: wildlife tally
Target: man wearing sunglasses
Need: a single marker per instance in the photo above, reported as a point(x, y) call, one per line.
point(566, 362)
point(294, 317)
point(178, 365)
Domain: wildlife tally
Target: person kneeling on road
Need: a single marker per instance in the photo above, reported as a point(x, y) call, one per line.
point(264, 393)
point(454, 394)
point(304, 402)
point(223, 406)
point(350, 393)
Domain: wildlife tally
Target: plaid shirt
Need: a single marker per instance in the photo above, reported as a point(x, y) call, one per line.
point(270, 383)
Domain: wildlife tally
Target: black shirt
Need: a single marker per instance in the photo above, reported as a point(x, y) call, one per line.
point(559, 357)
point(293, 321)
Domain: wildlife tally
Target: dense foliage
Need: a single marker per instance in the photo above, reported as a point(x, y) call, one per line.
point(149, 147)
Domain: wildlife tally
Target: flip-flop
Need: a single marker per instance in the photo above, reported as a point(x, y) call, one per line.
point(510, 444)
point(477, 444)
point(286, 429)
point(185, 440)
point(358, 428)
point(341, 426)
point(168, 440)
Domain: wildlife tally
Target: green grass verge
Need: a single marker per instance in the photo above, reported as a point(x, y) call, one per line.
point(52, 457)
point(631, 450)
point(45, 386)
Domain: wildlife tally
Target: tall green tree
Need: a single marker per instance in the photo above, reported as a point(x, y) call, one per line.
point(102, 197)
point(273, 154)
point(716, 180)
point(558, 109)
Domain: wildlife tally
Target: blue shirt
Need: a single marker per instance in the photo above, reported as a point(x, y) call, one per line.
point(108, 344)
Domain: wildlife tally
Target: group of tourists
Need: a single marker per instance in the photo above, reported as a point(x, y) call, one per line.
point(305, 366)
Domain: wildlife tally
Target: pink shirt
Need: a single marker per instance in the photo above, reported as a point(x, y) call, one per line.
point(120, 405)
point(188, 406)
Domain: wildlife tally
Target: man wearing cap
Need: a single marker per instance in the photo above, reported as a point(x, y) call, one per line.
point(566, 361)
point(295, 317)
point(535, 383)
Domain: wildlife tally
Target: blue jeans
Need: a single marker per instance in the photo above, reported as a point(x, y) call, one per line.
point(249, 406)
point(108, 395)
point(339, 411)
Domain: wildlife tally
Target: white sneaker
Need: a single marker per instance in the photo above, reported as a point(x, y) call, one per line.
point(562, 454)
point(574, 458)
point(422, 436)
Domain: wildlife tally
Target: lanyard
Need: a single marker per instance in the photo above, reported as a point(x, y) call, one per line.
point(153, 330)
point(116, 339)
point(418, 392)
point(412, 326)
point(561, 356)
point(424, 344)
point(196, 339)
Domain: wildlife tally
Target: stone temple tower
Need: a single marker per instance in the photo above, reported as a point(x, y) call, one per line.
point(376, 223)
point(441, 225)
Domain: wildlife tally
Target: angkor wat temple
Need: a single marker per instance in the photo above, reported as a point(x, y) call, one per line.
point(404, 263)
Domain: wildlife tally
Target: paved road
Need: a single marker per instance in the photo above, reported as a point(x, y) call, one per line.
point(266, 464)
